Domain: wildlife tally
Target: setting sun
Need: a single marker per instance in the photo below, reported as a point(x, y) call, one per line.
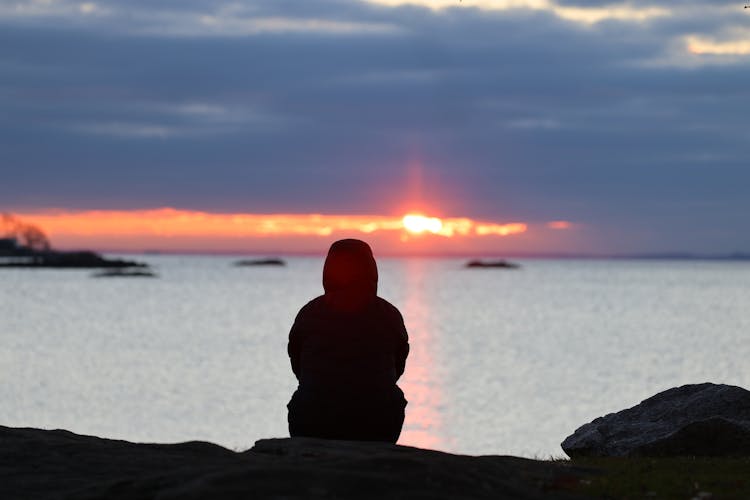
point(417, 224)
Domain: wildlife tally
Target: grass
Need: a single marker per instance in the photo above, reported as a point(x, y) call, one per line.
point(685, 478)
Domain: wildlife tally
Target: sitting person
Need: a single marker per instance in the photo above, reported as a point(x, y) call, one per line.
point(348, 348)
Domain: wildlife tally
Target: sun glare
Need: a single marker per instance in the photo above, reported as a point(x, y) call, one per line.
point(418, 224)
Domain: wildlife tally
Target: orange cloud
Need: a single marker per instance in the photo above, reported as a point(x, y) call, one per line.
point(169, 222)
point(500, 229)
point(559, 224)
point(169, 228)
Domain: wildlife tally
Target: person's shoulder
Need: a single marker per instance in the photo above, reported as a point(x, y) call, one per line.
point(312, 307)
point(394, 319)
point(389, 309)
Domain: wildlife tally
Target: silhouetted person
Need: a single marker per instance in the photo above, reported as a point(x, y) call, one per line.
point(348, 348)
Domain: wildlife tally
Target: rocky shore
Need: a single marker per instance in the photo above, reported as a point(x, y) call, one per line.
point(684, 426)
point(57, 464)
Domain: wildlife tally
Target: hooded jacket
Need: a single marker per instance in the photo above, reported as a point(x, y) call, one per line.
point(347, 347)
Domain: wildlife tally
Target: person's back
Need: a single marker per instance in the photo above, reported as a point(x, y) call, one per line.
point(348, 348)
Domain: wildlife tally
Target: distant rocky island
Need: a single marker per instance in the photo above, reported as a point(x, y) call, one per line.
point(24, 245)
point(272, 261)
point(125, 272)
point(501, 264)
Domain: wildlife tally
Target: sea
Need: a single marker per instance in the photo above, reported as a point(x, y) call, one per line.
point(502, 362)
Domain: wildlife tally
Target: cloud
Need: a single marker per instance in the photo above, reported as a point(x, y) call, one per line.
point(560, 224)
point(182, 119)
point(225, 25)
point(739, 45)
point(587, 13)
point(185, 230)
point(611, 113)
point(129, 130)
point(222, 19)
point(534, 124)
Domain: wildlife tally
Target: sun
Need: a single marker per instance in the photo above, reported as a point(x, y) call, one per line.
point(418, 224)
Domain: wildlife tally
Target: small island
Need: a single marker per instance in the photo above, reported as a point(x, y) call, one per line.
point(125, 272)
point(271, 261)
point(498, 264)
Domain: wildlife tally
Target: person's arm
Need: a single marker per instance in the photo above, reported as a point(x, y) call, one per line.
point(292, 348)
point(402, 346)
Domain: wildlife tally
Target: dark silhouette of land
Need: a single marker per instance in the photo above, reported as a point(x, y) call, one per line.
point(501, 264)
point(24, 245)
point(272, 261)
point(63, 260)
point(125, 272)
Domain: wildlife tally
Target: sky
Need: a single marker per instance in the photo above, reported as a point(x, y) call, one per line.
point(590, 127)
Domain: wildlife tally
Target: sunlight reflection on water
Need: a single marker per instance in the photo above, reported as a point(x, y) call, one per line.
point(422, 427)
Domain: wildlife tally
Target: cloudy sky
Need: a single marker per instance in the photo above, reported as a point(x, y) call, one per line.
point(630, 120)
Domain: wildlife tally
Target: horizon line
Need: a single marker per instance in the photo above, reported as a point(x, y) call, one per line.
point(736, 256)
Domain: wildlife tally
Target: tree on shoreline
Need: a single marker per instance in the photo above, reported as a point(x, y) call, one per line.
point(28, 235)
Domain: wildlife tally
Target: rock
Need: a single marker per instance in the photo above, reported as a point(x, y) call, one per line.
point(58, 464)
point(260, 262)
point(125, 272)
point(698, 419)
point(502, 264)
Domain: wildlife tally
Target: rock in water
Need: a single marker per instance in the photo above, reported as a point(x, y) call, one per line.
point(260, 262)
point(697, 419)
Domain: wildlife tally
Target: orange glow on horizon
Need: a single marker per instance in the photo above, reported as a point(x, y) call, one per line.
point(559, 224)
point(150, 227)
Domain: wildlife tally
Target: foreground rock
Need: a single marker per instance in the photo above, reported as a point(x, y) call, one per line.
point(37, 464)
point(699, 419)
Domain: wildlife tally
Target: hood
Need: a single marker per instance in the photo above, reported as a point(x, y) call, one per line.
point(350, 275)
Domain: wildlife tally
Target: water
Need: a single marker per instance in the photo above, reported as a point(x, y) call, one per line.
point(502, 362)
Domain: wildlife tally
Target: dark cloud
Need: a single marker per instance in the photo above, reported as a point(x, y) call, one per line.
point(323, 105)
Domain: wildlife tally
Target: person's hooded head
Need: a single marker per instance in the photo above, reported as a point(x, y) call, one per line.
point(350, 275)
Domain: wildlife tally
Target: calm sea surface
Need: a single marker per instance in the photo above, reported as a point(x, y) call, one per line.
point(502, 361)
